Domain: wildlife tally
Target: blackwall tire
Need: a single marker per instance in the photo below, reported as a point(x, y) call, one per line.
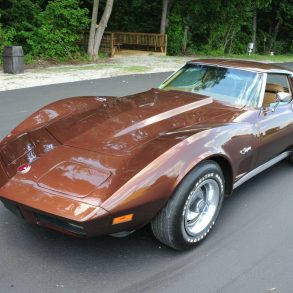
point(193, 209)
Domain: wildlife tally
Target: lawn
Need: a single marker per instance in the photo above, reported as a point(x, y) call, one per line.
point(255, 57)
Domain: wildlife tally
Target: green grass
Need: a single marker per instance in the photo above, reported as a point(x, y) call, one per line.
point(135, 69)
point(73, 68)
point(101, 66)
point(255, 57)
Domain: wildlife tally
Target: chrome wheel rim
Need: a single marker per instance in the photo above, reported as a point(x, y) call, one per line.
point(201, 207)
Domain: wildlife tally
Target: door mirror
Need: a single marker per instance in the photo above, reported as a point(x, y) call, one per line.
point(283, 97)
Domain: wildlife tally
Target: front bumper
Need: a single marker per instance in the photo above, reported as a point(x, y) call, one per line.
point(99, 224)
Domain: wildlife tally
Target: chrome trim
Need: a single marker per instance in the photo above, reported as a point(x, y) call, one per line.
point(161, 86)
point(261, 168)
point(245, 150)
point(279, 71)
point(263, 89)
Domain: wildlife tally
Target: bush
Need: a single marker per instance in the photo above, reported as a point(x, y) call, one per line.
point(175, 34)
point(60, 27)
point(281, 47)
point(291, 48)
point(6, 39)
point(2, 39)
point(20, 18)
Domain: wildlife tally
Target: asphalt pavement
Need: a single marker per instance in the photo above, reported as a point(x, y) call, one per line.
point(250, 249)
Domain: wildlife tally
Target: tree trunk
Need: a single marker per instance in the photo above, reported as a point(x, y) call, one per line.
point(164, 16)
point(274, 37)
point(185, 38)
point(227, 38)
point(170, 6)
point(101, 28)
point(93, 28)
point(269, 39)
point(232, 41)
point(254, 28)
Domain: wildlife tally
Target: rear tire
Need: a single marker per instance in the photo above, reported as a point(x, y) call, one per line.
point(193, 209)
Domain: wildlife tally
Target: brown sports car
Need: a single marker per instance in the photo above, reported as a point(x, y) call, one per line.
point(89, 166)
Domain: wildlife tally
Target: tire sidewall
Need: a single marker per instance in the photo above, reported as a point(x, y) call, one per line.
point(208, 170)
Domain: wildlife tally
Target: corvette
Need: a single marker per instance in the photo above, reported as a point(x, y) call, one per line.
point(167, 157)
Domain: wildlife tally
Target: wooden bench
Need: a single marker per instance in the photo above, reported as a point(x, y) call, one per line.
point(114, 41)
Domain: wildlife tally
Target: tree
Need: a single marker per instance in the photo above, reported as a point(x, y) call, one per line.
point(164, 16)
point(167, 5)
point(135, 16)
point(180, 20)
point(93, 27)
point(254, 27)
point(52, 29)
point(275, 26)
point(257, 5)
point(19, 18)
point(283, 12)
point(96, 32)
point(58, 30)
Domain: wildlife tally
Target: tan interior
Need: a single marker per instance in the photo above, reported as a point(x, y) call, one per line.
point(270, 93)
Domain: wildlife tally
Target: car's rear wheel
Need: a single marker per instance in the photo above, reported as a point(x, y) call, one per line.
point(193, 209)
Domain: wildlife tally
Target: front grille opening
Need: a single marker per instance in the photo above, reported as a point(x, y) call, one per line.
point(67, 226)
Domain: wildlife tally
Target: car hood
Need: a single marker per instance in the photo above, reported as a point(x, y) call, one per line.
point(100, 144)
point(120, 125)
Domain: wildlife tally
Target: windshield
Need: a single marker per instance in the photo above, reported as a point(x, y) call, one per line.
point(235, 86)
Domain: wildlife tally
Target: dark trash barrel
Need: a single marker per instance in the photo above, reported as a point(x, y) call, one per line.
point(13, 59)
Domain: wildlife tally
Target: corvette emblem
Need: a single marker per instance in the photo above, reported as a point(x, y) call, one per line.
point(23, 169)
point(245, 150)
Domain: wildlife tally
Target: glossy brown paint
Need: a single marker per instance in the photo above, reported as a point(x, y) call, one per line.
point(97, 158)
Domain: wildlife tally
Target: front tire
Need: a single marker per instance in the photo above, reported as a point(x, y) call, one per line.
point(291, 157)
point(193, 209)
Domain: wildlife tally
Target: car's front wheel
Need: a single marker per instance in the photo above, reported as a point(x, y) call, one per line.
point(291, 157)
point(193, 209)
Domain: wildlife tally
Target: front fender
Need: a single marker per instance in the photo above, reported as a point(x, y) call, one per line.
point(149, 190)
point(58, 110)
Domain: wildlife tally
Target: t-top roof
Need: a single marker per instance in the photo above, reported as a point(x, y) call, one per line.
point(249, 65)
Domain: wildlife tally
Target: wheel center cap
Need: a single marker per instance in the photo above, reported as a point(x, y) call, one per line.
point(201, 206)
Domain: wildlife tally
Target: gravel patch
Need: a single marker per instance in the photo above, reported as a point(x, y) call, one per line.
point(119, 65)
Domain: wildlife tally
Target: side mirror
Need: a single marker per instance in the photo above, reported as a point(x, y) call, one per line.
point(283, 97)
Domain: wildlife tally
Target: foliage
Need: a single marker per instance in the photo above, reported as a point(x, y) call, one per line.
point(51, 29)
point(2, 39)
point(50, 34)
point(175, 33)
point(135, 16)
point(19, 17)
point(60, 27)
point(6, 38)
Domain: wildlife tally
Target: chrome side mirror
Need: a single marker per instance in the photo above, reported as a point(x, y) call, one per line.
point(282, 97)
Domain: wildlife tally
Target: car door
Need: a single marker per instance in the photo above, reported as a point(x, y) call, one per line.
point(275, 123)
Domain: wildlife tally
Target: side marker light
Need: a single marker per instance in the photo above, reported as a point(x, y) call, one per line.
point(122, 219)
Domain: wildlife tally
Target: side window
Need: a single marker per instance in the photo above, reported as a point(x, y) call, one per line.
point(275, 83)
